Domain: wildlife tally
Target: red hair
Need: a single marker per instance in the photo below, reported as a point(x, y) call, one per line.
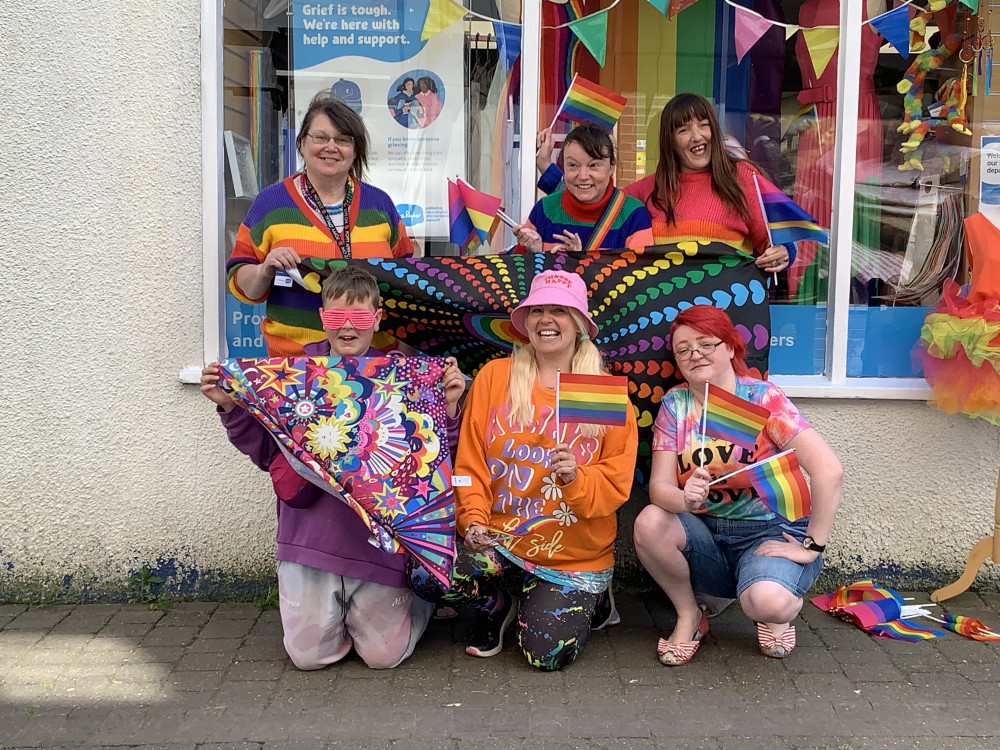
point(711, 321)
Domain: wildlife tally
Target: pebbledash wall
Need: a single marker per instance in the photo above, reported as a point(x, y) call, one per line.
point(110, 463)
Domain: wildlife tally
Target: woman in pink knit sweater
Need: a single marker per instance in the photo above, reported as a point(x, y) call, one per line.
point(701, 192)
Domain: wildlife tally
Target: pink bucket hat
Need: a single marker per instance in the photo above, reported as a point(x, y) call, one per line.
point(554, 288)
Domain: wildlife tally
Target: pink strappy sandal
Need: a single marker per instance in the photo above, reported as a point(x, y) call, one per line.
point(678, 654)
point(775, 646)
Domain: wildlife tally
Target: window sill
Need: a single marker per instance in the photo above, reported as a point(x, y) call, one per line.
point(817, 386)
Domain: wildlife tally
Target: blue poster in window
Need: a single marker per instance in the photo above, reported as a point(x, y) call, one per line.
point(882, 342)
point(409, 91)
point(243, 334)
point(798, 339)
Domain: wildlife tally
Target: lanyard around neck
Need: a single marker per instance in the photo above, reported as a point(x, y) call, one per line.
point(312, 197)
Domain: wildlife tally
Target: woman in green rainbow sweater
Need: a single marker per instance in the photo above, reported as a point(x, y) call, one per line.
point(591, 213)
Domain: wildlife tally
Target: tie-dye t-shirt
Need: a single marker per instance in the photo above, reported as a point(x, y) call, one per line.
point(677, 429)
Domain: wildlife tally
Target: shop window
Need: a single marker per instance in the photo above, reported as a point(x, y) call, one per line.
point(842, 316)
point(436, 105)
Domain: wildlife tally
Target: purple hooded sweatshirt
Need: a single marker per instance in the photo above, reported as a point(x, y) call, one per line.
point(316, 528)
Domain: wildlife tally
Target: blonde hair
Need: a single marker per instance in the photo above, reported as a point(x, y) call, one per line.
point(524, 369)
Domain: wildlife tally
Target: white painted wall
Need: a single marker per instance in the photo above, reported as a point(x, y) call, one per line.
point(110, 463)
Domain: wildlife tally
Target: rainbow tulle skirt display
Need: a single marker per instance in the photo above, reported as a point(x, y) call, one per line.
point(961, 355)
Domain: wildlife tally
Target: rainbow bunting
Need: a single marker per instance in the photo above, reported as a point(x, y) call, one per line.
point(786, 220)
point(472, 214)
point(970, 627)
point(732, 418)
point(585, 101)
point(781, 485)
point(592, 399)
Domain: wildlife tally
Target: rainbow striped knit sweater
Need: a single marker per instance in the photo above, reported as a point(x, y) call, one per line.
point(561, 212)
point(700, 214)
point(280, 217)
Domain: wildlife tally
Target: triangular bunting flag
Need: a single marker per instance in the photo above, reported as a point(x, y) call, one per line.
point(440, 15)
point(660, 5)
point(749, 28)
point(676, 6)
point(821, 43)
point(895, 27)
point(790, 31)
point(509, 43)
point(973, 5)
point(592, 30)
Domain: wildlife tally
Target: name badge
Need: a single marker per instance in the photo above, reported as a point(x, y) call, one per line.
point(461, 480)
point(282, 279)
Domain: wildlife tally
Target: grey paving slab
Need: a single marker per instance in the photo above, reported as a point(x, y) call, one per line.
point(207, 675)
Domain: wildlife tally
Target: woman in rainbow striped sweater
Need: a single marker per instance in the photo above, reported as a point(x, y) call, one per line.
point(325, 211)
point(591, 213)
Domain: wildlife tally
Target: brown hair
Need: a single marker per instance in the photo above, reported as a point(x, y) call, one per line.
point(666, 184)
point(593, 139)
point(344, 119)
point(353, 282)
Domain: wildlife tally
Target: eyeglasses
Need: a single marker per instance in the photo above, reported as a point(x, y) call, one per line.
point(704, 349)
point(336, 319)
point(321, 139)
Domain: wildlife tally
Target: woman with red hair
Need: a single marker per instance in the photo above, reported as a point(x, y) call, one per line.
point(721, 541)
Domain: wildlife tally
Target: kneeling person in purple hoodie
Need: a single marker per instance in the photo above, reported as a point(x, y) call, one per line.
point(335, 589)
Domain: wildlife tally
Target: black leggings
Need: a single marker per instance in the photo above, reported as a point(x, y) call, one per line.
point(553, 621)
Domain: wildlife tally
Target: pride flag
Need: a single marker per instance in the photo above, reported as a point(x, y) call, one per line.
point(901, 630)
point(970, 627)
point(786, 220)
point(781, 485)
point(472, 215)
point(592, 399)
point(729, 417)
point(585, 101)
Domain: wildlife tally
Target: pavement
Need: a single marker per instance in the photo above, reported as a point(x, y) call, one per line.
point(214, 676)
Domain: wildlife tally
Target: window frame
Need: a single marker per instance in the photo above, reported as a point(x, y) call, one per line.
point(835, 383)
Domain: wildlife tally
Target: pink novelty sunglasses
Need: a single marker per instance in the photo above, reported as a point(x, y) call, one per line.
point(335, 319)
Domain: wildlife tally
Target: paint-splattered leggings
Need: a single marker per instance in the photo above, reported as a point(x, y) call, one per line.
point(553, 621)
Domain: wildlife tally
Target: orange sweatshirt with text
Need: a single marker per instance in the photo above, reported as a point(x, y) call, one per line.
point(565, 527)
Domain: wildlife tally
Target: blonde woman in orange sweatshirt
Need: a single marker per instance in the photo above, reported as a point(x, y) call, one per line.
point(536, 509)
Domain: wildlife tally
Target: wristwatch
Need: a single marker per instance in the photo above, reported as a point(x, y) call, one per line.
point(810, 544)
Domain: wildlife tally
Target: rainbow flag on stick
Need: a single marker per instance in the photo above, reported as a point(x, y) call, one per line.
point(901, 630)
point(729, 417)
point(782, 486)
point(585, 101)
point(472, 214)
point(780, 483)
point(970, 627)
point(592, 399)
point(786, 220)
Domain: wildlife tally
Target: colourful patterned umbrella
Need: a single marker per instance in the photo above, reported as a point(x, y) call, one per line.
point(461, 307)
point(372, 429)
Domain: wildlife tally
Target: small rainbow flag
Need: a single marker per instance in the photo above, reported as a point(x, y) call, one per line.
point(786, 220)
point(782, 486)
point(970, 627)
point(472, 214)
point(901, 630)
point(585, 101)
point(732, 418)
point(592, 399)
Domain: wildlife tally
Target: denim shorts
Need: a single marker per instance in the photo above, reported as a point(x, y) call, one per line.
point(720, 553)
